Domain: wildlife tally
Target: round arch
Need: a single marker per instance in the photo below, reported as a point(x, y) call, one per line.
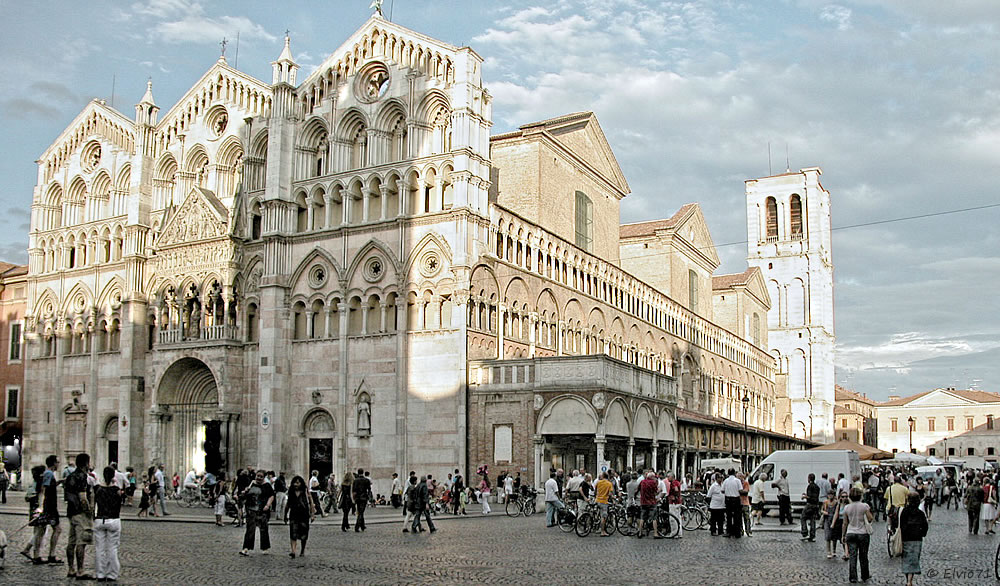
point(189, 432)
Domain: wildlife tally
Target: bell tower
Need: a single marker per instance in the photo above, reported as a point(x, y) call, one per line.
point(788, 235)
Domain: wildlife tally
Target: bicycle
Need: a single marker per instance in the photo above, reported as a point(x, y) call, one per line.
point(528, 502)
point(627, 519)
point(590, 520)
point(521, 504)
point(566, 517)
point(693, 518)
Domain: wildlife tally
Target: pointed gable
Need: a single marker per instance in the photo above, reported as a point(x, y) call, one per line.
point(581, 134)
point(97, 119)
point(200, 217)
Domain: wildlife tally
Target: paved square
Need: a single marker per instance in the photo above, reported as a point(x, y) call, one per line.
point(498, 549)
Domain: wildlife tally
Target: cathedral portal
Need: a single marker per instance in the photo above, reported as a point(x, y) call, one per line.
point(191, 433)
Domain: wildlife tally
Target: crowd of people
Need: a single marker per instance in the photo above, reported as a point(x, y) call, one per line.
point(842, 508)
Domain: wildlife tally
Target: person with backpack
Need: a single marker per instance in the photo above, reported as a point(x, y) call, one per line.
point(31, 495)
point(411, 515)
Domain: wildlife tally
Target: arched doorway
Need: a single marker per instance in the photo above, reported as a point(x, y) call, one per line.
point(111, 442)
point(319, 431)
point(191, 434)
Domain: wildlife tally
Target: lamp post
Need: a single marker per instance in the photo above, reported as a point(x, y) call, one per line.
point(911, 421)
point(746, 405)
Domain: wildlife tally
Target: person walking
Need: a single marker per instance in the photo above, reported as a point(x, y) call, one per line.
point(258, 499)
point(913, 524)
point(280, 496)
point(716, 506)
point(346, 501)
point(856, 526)
point(484, 493)
point(360, 491)
point(161, 490)
point(973, 505)
point(811, 509)
point(4, 483)
point(301, 511)
point(32, 494)
point(457, 490)
point(108, 527)
point(396, 491)
point(745, 505)
point(988, 511)
point(552, 502)
point(79, 502)
point(424, 498)
point(221, 497)
point(412, 512)
point(784, 498)
point(832, 531)
point(49, 514)
point(153, 490)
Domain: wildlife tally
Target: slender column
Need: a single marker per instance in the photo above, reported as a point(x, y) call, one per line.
point(630, 459)
point(599, 442)
point(656, 445)
point(539, 464)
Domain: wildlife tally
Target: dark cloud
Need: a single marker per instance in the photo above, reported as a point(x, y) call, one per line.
point(22, 107)
point(15, 252)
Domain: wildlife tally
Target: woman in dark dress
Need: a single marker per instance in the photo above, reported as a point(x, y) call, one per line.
point(154, 488)
point(301, 511)
point(346, 502)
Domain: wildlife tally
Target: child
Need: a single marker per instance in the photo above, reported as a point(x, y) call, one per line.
point(144, 500)
point(220, 504)
point(827, 513)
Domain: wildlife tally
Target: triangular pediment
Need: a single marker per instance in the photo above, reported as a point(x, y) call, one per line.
point(583, 136)
point(940, 398)
point(97, 119)
point(757, 286)
point(213, 85)
point(359, 45)
point(693, 229)
point(201, 216)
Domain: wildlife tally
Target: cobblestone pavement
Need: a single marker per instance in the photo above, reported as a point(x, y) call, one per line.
point(498, 549)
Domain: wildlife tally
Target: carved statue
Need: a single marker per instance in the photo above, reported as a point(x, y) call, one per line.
point(364, 417)
point(377, 5)
point(221, 122)
point(195, 328)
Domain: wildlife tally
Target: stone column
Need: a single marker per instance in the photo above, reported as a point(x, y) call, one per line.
point(655, 462)
point(533, 324)
point(630, 459)
point(501, 311)
point(539, 463)
point(402, 385)
point(310, 333)
point(384, 212)
point(383, 307)
point(364, 319)
point(344, 376)
point(599, 441)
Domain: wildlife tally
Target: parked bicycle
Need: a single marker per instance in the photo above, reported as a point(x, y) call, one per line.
point(521, 504)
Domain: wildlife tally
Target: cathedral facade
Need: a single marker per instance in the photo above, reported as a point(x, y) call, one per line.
point(348, 270)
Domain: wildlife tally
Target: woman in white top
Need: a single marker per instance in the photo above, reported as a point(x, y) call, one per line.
point(858, 518)
point(716, 507)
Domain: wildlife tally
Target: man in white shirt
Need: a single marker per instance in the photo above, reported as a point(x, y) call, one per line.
point(552, 502)
point(191, 480)
point(160, 494)
point(572, 491)
point(824, 484)
point(731, 487)
point(121, 480)
point(757, 499)
point(843, 485)
point(508, 487)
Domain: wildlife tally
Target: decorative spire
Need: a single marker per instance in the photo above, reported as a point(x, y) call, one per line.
point(286, 53)
point(147, 98)
point(377, 6)
point(222, 44)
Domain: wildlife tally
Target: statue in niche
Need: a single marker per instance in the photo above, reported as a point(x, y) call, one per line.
point(364, 415)
point(202, 177)
point(238, 174)
point(195, 328)
point(220, 123)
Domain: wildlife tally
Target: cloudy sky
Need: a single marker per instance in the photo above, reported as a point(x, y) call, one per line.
point(896, 100)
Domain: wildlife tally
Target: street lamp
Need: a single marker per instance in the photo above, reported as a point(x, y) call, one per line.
point(911, 421)
point(746, 405)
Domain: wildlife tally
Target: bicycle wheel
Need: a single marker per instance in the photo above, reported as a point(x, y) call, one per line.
point(584, 524)
point(187, 500)
point(704, 518)
point(996, 563)
point(513, 507)
point(668, 524)
point(567, 519)
point(627, 524)
point(691, 518)
point(611, 525)
point(888, 539)
point(528, 508)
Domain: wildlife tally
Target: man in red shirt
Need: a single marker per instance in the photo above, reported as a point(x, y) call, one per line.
point(648, 489)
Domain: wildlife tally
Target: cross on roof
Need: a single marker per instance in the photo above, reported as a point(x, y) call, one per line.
point(223, 45)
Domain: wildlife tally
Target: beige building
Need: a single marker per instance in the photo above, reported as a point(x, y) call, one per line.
point(932, 416)
point(855, 417)
point(349, 271)
point(982, 444)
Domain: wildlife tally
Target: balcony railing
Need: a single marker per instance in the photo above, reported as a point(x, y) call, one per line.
point(223, 333)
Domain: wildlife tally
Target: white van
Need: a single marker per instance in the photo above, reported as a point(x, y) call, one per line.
point(723, 464)
point(800, 463)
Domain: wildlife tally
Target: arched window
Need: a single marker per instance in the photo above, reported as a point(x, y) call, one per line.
point(584, 222)
point(772, 219)
point(795, 207)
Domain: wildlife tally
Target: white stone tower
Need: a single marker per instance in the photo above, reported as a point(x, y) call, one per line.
point(788, 235)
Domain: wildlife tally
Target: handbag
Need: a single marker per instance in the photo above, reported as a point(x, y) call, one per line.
point(868, 526)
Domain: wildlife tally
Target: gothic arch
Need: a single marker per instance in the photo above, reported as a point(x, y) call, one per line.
point(617, 419)
point(318, 420)
point(430, 240)
point(567, 415)
point(310, 259)
point(431, 104)
point(106, 298)
point(78, 291)
point(373, 244)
